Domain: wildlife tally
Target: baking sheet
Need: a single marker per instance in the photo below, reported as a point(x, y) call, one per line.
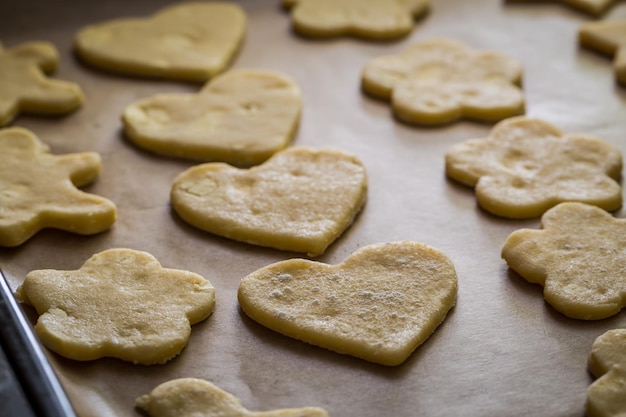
point(501, 351)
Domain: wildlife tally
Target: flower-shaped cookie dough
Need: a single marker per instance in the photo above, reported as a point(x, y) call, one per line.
point(606, 397)
point(300, 200)
point(121, 303)
point(187, 41)
point(38, 190)
point(440, 80)
point(380, 304)
point(369, 19)
point(593, 7)
point(607, 37)
point(241, 117)
point(526, 166)
point(579, 258)
point(24, 87)
point(192, 397)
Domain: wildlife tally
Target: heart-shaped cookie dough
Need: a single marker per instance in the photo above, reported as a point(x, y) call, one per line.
point(241, 117)
point(300, 200)
point(380, 304)
point(188, 41)
point(607, 395)
point(607, 37)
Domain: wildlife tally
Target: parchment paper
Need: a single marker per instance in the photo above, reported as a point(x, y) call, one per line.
point(502, 351)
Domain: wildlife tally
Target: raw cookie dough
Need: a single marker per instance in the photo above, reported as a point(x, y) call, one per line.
point(578, 257)
point(606, 397)
point(526, 166)
point(193, 397)
point(380, 304)
point(121, 303)
point(368, 19)
point(299, 200)
point(440, 80)
point(241, 117)
point(24, 87)
point(186, 41)
point(38, 190)
point(592, 7)
point(607, 37)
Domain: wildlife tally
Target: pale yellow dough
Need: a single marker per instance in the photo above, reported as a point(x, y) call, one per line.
point(121, 303)
point(193, 397)
point(38, 190)
point(579, 258)
point(24, 86)
point(300, 200)
point(607, 37)
point(527, 166)
point(592, 7)
point(606, 397)
point(188, 41)
point(241, 117)
point(441, 80)
point(380, 304)
point(368, 19)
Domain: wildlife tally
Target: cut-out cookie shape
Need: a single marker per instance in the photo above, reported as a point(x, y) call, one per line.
point(193, 397)
point(592, 7)
point(527, 166)
point(38, 190)
point(187, 41)
point(121, 303)
point(607, 37)
point(578, 258)
point(606, 397)
point(24, 86)
point(241, 117)
point(369, 19)
point(380, 304)
point(438, 81)
point(300, 200)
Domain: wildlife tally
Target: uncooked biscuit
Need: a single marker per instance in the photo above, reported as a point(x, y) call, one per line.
point(607, 37)
point(593, 7)
point(606, 397)
point(440, 80)
point(369, 19)
point(380, 304)
point(187, 41)
point(24, 86)
point(121, 303)
point(299, 200)
point(241, 117)
point(193, 397)
point(526, 166)
point(578, 258)
point(38, 190)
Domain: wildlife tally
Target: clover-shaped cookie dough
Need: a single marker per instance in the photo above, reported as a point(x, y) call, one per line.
point(380, 304)
point(368, 19)
point(121, 303)
point(438, 81)
point(300, 200)
point(592, 7)
point(24, 86)
point(38, 190)
point(578, 258)
point(607, 37)
point(527, 166)
point(193, 397)
point(187, 41)
point(241, 117)
point(606, 397)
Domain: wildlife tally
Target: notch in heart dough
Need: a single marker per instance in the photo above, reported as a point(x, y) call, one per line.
point(241, 117)
point(187, 41)
point(299, 200)
point(380, 304)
